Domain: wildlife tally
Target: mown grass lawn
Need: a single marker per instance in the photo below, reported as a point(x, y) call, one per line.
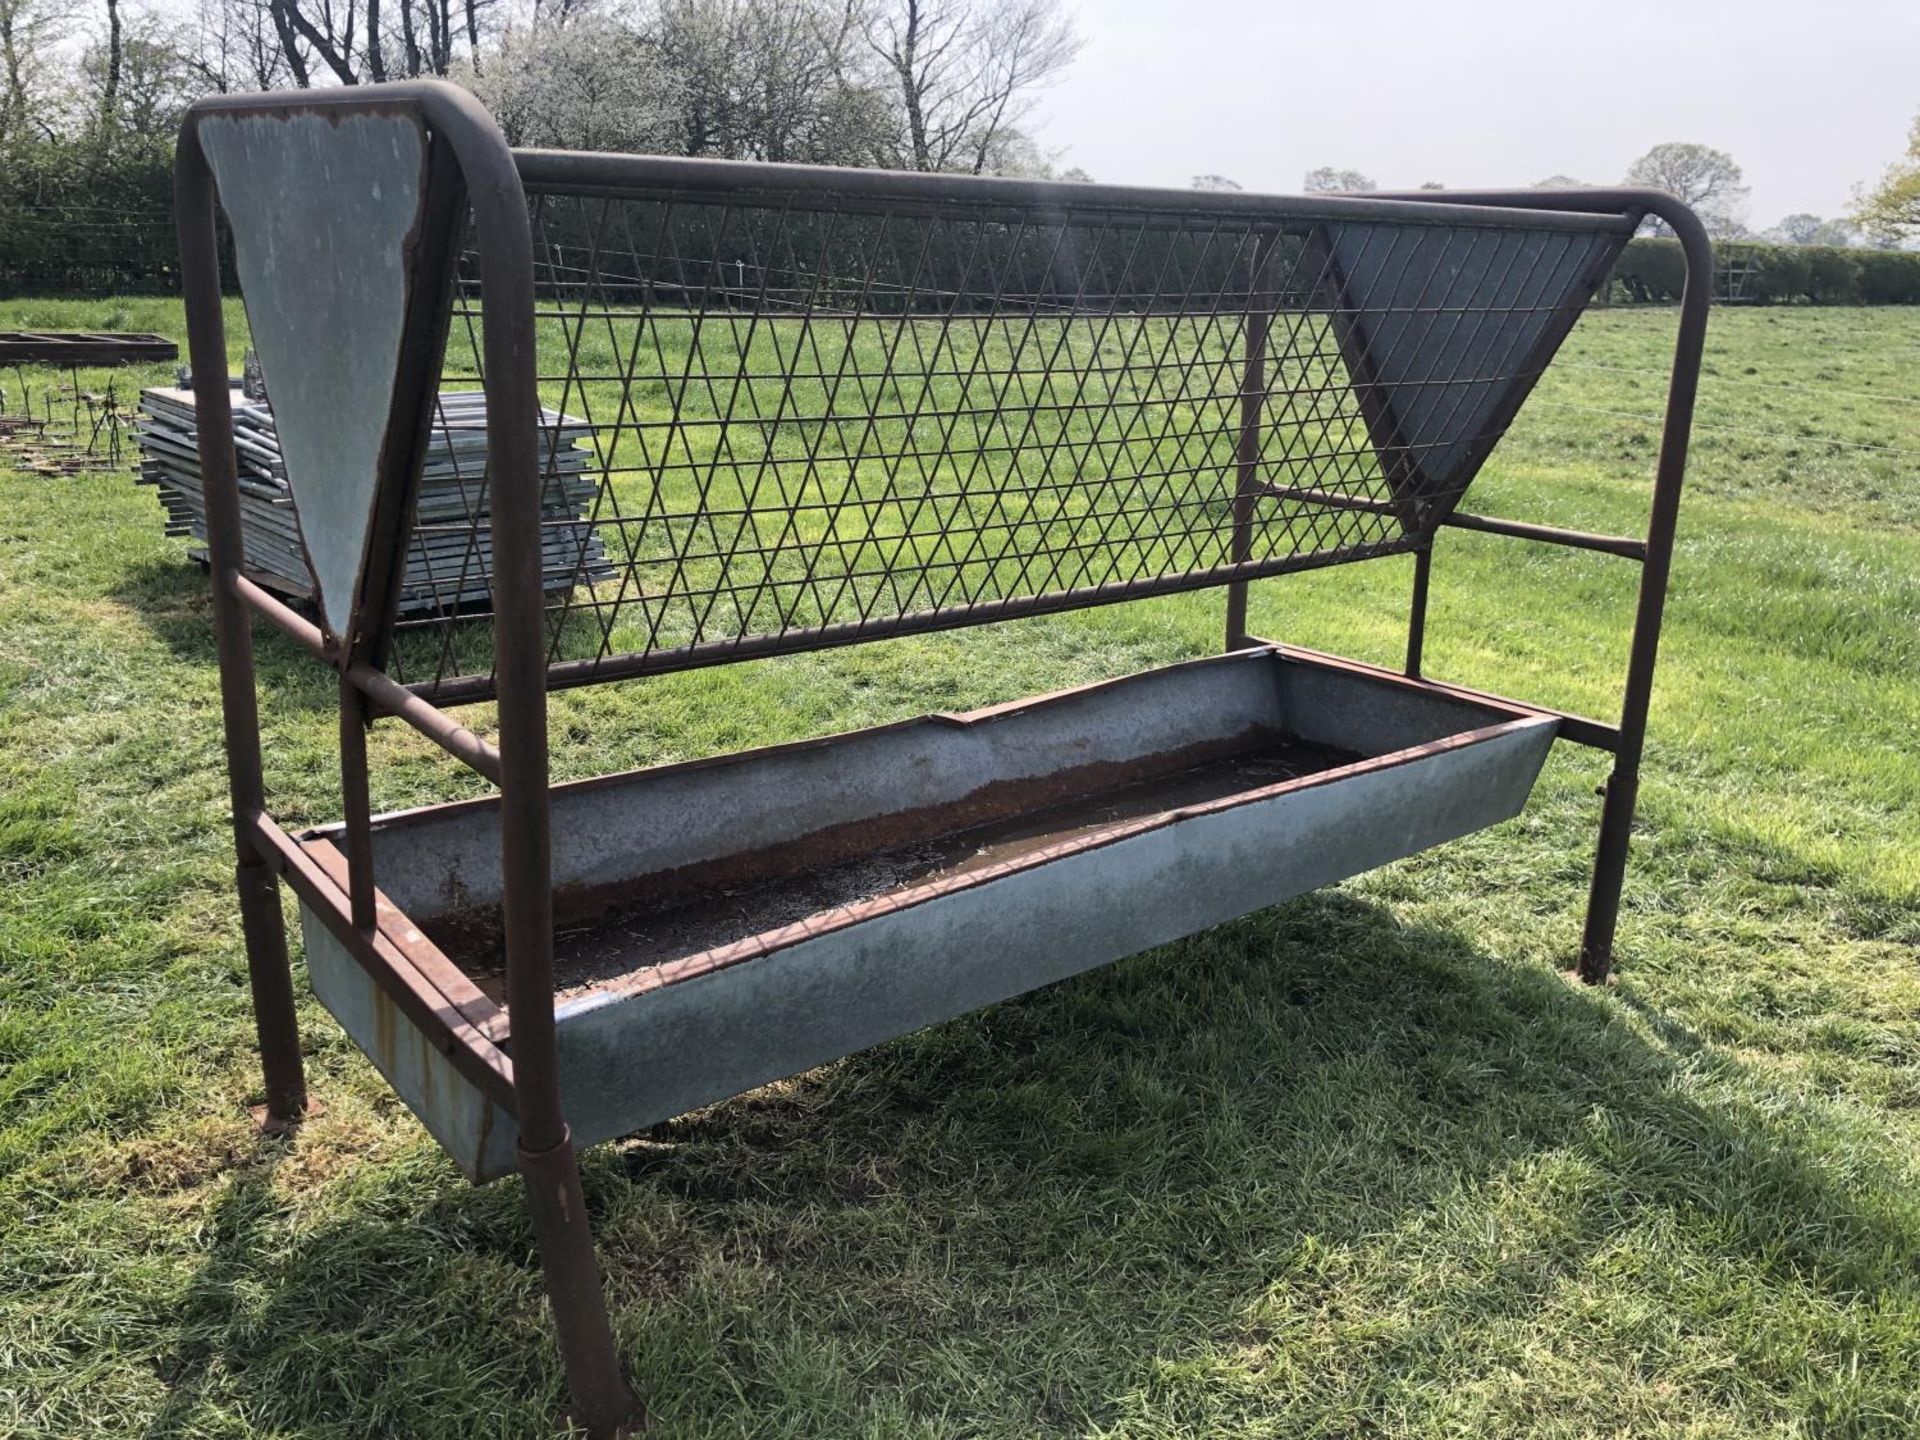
point(1361, 1165)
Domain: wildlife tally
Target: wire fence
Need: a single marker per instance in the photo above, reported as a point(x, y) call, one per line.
point(98, 252)
point(93, 252)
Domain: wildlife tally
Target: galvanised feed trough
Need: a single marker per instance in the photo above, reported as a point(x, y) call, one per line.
point(827, 407)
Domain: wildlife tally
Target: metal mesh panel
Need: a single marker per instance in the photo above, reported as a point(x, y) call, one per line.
point(813, 417)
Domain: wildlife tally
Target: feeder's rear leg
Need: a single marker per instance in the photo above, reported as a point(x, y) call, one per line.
point(268, 973)
point(1609, 874)
point(602, 1403)
point(271, 980)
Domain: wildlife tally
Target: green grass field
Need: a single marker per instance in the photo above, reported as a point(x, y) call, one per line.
point(1364, 1165)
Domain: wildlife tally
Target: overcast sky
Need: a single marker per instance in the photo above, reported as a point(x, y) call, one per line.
point(1809, 97)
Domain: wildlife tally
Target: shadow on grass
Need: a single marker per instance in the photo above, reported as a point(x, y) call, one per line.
point(173, 602)
point(1317, 1164)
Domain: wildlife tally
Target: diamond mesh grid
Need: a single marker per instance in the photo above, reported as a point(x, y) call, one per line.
point(809, 418)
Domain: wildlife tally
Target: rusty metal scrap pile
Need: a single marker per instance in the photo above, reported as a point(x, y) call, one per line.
point(450, 556)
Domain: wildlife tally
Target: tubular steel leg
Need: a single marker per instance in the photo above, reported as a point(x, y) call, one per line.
point(1609, 873)
point(602, 1404)
point(271, 979)
point(267, 968)
point(1417, 609)
point(1623, 785)
point(1616, 821)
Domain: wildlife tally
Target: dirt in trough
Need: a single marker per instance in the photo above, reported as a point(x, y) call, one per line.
point(625, 939)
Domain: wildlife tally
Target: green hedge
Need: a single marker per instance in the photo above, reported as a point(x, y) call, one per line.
point(77, 219)
point(1651, 272)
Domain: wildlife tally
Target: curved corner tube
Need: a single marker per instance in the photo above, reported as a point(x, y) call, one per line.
point(1623, 784)
point(602, 1402)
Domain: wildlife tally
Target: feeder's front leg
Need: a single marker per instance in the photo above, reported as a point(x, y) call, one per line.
point(602, 1403)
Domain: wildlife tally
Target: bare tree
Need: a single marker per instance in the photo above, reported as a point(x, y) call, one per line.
point(964, 73)
point(806, 99)
point(771, 79)
point(30, 32)
point(1328, 180)
point(430, 32)
point(110, 83)
point(293, 47)
point(1705, 178)
point(333, 32)
point(139, 79)
point(1559, 182)
point(237, 47)
point(699, 42)
point(348, 42)
point(1215, 182)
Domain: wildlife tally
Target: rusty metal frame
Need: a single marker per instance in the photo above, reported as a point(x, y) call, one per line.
point(1626, 741)
point(465, 142)
point(551, 176)
point(472, 173)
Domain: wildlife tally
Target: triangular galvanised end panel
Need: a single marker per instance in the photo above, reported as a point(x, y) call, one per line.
point(326, 211)
point(1444, 329)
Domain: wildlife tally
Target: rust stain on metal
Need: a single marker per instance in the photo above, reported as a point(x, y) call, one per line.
point(964, 878)
point(475, 932)
point(385, 1041)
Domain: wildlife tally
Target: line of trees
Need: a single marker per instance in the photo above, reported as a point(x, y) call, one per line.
point(1712, 182)
point(915, 84)
point(1885, 215)
point(91, 99)
point(91, 93)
